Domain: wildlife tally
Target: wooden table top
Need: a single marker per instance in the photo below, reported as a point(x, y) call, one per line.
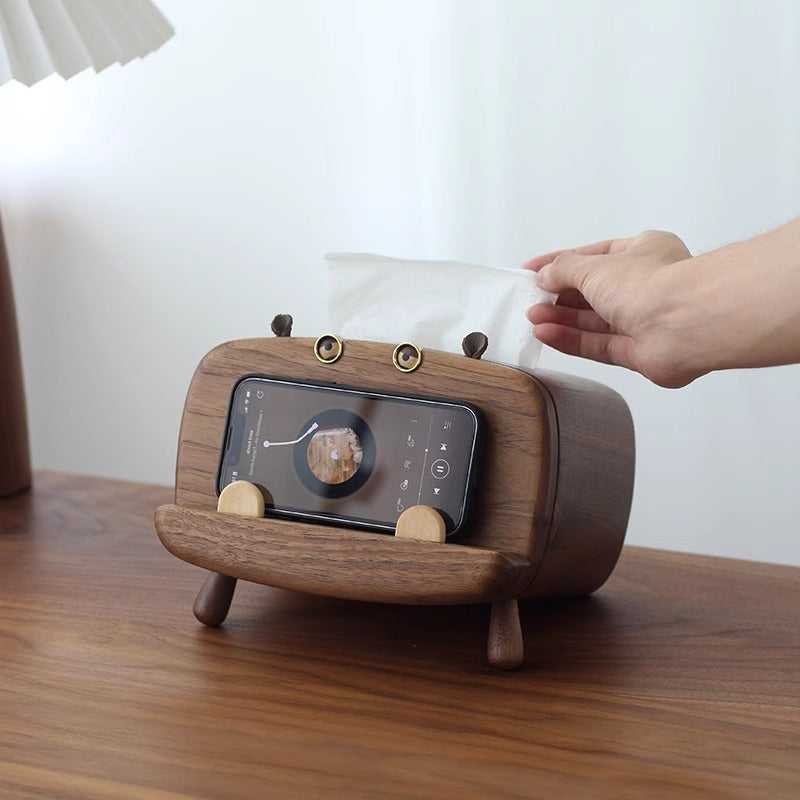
point(680, 678)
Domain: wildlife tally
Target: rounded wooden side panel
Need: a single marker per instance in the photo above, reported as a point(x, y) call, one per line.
point(594, 487)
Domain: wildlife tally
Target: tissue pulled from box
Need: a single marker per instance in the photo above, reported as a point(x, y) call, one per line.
point(434, 304)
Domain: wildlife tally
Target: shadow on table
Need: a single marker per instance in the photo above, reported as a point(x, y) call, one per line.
point(568, 639)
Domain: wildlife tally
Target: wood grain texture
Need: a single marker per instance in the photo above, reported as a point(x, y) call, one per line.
point(214, 599)
point(505, 648)
point(594, 489)
point(678, 679)
point(339, 562)
point(515, 496)
point(241, 498)
point(557, 473)
point(15, 462)
point(423, 523)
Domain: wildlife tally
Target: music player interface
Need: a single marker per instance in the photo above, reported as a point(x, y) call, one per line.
point(347, 454)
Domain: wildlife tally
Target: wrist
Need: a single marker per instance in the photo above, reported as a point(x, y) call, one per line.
point(674, 334)
point(737, 306)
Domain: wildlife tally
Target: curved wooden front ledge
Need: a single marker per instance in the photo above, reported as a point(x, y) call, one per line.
point(338, 561)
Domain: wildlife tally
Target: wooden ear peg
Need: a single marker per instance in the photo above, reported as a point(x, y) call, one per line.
point(282, 325)
point(474, 344)
point(213, 601)
point(422, 523)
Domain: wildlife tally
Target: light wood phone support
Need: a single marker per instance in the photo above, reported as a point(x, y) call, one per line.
point(550, 511)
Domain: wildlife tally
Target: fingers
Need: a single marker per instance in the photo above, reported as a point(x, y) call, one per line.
point(596, 249)
point(537, 263)
point(608, 348)
point(569, 270)
point(582, 319)
point(572, 298)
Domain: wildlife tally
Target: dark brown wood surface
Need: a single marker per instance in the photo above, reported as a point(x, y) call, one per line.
point(595, 463)
point(679, 678)
point(519, 455)
point(551, 506)
point(339, 562)
point(15, 464)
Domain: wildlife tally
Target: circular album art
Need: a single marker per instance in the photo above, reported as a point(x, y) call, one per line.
point(338, 457)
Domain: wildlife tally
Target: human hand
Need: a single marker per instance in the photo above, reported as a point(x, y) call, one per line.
point(619, 303)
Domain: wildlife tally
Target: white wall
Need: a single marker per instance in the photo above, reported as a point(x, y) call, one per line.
point(158, 209)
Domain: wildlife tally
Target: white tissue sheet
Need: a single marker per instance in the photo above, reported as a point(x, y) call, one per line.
point(434, 304)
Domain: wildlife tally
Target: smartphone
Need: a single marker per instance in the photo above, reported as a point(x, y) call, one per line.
point(348, 456)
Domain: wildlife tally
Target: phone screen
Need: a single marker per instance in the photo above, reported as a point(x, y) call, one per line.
point(348, 456)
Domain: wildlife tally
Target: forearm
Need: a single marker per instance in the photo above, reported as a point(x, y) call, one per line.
point(739, 305)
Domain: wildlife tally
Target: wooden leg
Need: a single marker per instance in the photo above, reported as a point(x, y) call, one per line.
point(214, 599)
point(505, 648)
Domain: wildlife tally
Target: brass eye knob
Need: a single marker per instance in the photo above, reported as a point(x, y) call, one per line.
point(407, 357)
point(328, 348)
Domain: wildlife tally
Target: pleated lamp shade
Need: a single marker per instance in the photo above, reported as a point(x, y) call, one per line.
point(42, 37)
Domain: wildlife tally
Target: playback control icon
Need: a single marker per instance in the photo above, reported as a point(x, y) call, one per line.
point(440, 469)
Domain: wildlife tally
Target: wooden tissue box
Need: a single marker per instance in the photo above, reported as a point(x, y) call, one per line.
point(550, 509)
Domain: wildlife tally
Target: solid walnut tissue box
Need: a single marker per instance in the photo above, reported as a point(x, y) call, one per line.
point(550, 508)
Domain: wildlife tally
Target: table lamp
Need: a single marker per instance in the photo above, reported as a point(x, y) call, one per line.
point(39, 38)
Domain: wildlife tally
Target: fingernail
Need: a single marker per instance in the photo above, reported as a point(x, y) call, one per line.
point(541, 275)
